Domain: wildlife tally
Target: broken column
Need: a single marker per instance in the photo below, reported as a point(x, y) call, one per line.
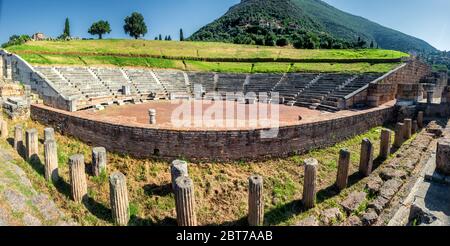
point(443, 157)
point(366, 161)
point(2, 67)
point(49, 134)
point(407, 129)
point(152, 115)
point(118, 194)
point(31, 139)
point(398, 135)
point(98, 161)
point(78, 178)
point(430, 97)
point(4, 129)
point(309, 185)
point(178, 169)
point(255, 201)
point(185, 202)
point(18, 139)
point(415, 127)
point(385, 144)
point(51, 161)
point(126, 90)
point(420, 119)
point(343, 168)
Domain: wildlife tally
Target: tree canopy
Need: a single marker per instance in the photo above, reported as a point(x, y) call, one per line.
point(100, 28)
point(135, 25)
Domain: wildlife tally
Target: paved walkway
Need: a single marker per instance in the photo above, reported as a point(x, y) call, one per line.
point(20, 203)
point(428, 203)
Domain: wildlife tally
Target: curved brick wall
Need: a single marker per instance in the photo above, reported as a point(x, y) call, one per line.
point(212, 145)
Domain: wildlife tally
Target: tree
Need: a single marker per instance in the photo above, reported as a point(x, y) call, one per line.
point(372, 45)
point(66, 33)
point(169, 38)
point(299, 42)
point(100, 28)
point(160, 37)
point(282, 42)
point(16, 40)
point(181, 35)
point(270, 40)
point(135, 25)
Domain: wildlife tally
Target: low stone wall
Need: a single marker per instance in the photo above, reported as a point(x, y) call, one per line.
point(212, 145)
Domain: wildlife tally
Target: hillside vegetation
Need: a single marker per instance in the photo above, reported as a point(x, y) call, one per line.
point(306, 24)
point(205, 56)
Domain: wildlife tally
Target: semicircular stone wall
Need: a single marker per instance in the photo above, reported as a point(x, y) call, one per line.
point(142, 142)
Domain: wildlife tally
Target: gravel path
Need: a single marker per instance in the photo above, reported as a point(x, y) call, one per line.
point(20, 203)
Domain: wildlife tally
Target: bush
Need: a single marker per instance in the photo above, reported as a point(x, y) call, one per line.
point(270, 40)
point(16, 40)
point(282, 42)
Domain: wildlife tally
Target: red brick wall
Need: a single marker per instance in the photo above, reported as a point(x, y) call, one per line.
point(212, 145)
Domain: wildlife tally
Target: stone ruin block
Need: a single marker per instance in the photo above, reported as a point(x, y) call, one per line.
point(17, 108)
point(409, 92)
point(443, 157)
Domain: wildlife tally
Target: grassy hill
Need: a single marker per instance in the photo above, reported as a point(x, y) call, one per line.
point(310, 23)
point(206, 56)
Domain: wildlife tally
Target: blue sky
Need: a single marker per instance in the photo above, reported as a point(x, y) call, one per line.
point(426, 19)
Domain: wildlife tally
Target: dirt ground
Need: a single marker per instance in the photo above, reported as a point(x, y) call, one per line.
point(208, 115)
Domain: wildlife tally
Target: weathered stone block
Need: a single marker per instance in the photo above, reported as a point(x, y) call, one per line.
point(353, 201)
point(390, 188)
point(443, 157)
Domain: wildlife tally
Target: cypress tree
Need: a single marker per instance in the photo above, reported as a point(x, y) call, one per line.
point(181, 35)
point(66, 33)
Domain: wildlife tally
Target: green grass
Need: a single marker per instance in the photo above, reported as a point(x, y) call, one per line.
point(205, 56)
point(224, 67)
point(194, 50)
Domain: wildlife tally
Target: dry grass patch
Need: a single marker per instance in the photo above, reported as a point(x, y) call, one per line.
point(221, 189)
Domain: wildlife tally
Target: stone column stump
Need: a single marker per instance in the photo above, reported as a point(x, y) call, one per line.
point(119, 198)
point(430, 97)
point(420, 119)
point(366, 161)
point(385, 144)
point(32, 143)
point(255, 201)
point(18, 139)
point(443, 157)
point(185, 202)
point(51, 161)
point(343, 168)
point(49, 134)
point(178, 169)
point(309, 185)
point(99, 161)
point(398, 135)
point(152, 116)
point(408, 129)
point(4, 129)
point(415, 127)
point(78, 178)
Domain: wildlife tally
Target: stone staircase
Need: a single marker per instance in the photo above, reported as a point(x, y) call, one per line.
point(332, 101)
point(313, 96)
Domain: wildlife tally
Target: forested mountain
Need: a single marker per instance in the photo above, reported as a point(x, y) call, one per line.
point(304, 24)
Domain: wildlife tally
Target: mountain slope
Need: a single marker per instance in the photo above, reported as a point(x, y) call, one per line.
point(306, 24)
